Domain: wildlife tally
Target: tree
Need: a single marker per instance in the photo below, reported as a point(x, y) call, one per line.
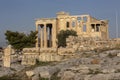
point(62, 35)
point(21, 40)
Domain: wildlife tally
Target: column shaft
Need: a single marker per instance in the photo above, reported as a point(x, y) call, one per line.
point(41, 37)
point(70, 24)
point(45, 36)
point(54, 35)
point(37, 36)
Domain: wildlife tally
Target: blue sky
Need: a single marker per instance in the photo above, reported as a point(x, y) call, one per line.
point(19, 15)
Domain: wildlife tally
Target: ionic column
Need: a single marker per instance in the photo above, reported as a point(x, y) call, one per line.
point(70, 24)
point(37, 36)
point(45, 36)
point(54, 35)
point(107, 31)
point(41, 36)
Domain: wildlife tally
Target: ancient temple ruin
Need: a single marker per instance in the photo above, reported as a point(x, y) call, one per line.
point(92, 34)
point(85, 25)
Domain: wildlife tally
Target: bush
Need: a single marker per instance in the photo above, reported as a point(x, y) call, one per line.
point(21, 40)
point(41, 63)
point(5, 78)
point(62, 35)
point(9, 78)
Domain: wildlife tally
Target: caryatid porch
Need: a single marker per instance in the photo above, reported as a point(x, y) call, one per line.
point(46, 36)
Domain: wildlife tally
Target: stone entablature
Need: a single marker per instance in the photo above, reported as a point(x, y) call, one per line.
point(31, 50)
point(48, 50)
point(84, 25)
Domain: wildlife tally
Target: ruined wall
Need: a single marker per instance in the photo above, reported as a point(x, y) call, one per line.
point(92, 32)
point(30, 55)
point(49, 54)
point(90, 43)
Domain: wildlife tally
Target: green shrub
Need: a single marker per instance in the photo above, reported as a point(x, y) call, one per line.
point(5, 78)
point(62, 35)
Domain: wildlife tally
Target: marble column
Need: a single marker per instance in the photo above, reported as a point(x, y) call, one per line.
point(70, 24)
point(6, 57)
point(53, 35)
point(45, 36)
point(37, 36)
point(41, 36)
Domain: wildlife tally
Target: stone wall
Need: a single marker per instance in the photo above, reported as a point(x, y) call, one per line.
point(30, 55)
point(66, 51)
point(89, 43)
point(49, 54)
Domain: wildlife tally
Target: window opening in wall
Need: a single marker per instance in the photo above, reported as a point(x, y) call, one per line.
point(97, 27)
point(78, 19)
point(103, 23)
point(84, 28)
point(93, 27)
point(85, 19)
point(73, 24)
point(67, 24)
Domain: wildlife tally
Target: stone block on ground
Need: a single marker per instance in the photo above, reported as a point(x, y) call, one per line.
point(30, 73)
point(68, 75)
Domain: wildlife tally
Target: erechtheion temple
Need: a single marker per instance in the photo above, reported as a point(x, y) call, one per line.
point(92, 35)
point(84, 25)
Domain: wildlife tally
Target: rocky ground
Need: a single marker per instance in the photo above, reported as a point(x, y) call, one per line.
point(91, 65)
